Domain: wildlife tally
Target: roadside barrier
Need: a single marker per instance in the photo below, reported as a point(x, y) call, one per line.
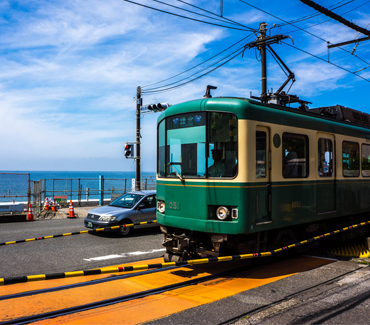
point(119, 269)
point(71, 212)
point(30, 214)
point(79, 232)
point(47, 206)
point(54, 207)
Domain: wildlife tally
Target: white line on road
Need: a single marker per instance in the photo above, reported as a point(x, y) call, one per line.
point(109, 257)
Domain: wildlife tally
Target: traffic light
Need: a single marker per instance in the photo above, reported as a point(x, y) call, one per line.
point(158, 107)
point(129, 150)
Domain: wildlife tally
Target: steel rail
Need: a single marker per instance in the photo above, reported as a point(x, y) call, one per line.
point(111, 301)
point(21, 279)
point(84, 284)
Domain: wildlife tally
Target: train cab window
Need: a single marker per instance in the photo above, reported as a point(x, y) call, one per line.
point(185, 145)
point(295, 155)
point(351, 159)
point(325, 154)
point(365, 162)
point(222, 135)
point(260, 154)
point(161, 154)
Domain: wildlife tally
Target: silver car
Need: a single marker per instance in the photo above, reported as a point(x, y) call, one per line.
point(133, 207)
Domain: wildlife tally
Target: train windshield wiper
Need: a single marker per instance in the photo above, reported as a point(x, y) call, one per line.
point(177, 174)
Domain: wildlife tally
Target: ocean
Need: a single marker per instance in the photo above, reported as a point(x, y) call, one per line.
point(73, 184)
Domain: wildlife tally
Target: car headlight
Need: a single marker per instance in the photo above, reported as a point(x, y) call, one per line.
point(107, 218)
point(161, 206)
point(222, 213)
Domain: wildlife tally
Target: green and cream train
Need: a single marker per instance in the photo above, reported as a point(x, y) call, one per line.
point(237, 176)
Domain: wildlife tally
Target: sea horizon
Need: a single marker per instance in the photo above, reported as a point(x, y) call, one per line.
point(14, 183)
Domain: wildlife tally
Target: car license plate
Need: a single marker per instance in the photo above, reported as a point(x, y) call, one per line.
point(90, 225)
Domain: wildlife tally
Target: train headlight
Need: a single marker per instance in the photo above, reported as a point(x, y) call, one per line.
point(161, 206)
point(234, 214)
point(222, 213)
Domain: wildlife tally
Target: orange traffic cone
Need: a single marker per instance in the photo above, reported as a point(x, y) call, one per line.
point(71, 210)
point(30, 214)
point(47, 205)
point(54, 207)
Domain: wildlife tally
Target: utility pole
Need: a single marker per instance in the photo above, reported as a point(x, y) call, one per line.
point(138, 157)
point(279, 97)
point(262, 49)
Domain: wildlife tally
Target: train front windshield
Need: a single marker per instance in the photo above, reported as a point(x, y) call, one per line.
point(198, 145)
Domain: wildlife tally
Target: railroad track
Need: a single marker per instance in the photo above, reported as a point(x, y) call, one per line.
point(42, 294)
point(137, 294)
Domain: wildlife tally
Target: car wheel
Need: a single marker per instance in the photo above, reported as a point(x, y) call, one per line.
point(125, 231)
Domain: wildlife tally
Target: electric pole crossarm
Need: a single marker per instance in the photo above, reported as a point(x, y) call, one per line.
point(349, 42)
point(266, 41)
point(336, 17)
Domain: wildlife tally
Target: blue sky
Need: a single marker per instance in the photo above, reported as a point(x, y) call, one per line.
point(69, 71)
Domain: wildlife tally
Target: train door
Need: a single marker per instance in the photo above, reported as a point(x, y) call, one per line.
point(263, 165)
point(325, 169)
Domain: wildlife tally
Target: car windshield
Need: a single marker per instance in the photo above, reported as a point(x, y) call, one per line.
point(126, 200)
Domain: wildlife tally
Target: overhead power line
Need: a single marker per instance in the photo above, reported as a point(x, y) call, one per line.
point(193, 12)
point(336, 17)
point(212, 13)
point(157, 90)
point(185, 17)
point(212, 57)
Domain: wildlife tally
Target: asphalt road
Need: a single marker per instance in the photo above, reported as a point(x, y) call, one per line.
point(71, 253)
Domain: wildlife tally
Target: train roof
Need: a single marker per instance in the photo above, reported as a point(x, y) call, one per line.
point(335, 119)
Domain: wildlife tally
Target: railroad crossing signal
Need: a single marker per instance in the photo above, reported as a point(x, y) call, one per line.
point(129, 150)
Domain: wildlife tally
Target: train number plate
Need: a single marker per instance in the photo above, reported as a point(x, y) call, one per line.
point(173, 205)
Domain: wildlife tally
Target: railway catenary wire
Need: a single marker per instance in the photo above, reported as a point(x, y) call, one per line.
point(119, 269)
point(90, 231)
point(336, 65)
point(111, 301)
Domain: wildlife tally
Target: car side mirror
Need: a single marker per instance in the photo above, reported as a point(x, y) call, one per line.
point(142, 206)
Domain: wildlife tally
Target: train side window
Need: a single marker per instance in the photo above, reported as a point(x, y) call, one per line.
point(325, 148)
point(351, 159)
point(260, 154)
point(365, 163)
point(222, 136)
point(295, 155)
